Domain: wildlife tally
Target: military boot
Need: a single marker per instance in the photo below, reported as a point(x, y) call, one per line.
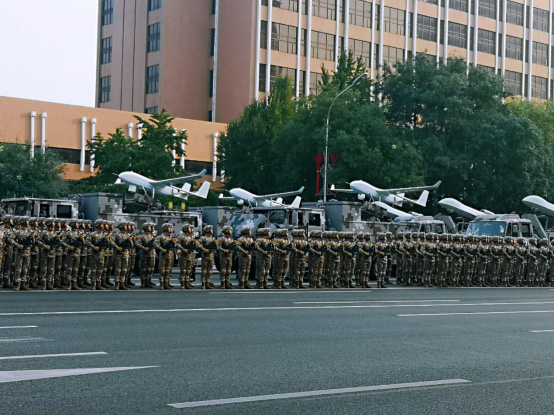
point(183, 285)
point(336, 286)
point(43, 286)
point(277, 285)
point(116, 286)
point(301, 285)
point(85, 281)
point(318, 285)
point(129, 282)
point(284, 286)
point(103, 283)
point(123, 286)
point(33, 284)
point(108, 283)
point(149, 283)
point(223, 285)
point(142, 283)
point(99, 286)
point(74, 286)
point(50, 286)
point(188, 285)
point(210, 285)
point(351, 285)
point(247, 285)
point(266, 286)
point(25, 286)
point(228, 285)
point(167, 285)
point(162, 286)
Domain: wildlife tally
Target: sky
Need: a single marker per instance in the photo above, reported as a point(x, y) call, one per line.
point(48, 50)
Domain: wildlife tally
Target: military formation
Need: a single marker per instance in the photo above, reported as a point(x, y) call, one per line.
point(55, 253)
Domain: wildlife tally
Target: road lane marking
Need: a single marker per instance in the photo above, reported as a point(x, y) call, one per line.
point(73, 354)
point(11, 376)
point(18, 327)
point(374, 301)
point(317, 393)
point(472, 313)
point(543, 330)
point(274, 308)
point(26, 339)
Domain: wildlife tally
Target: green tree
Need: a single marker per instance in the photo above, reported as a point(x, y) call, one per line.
point(21, 176)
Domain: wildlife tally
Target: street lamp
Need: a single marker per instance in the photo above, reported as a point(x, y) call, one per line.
point(326, 165)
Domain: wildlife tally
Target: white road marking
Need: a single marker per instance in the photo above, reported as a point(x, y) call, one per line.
point(317, 393)
point(543, 330)
point(18, 327)
point(472, 313)
point(273, 308)
point(73, 354)
point(26, 339)
point(11, 376)
point(375, 301)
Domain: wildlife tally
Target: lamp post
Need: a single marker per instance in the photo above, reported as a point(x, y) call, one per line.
point(326, 163)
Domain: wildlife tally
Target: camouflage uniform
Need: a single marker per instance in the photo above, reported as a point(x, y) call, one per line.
point(281, 258)
point(418, 258)
point(348, 260)
point(480, 262)
point(97, 243)
point(109, 254)
point(507, 252)
point(73, 243)
point(443, 263)
point(7, 253)
point(225, 247)
point(457, 251)
point(86, 254)
point(542, 262)
point(470, 252)
point(209, 247)
point(381, 260)
point(429, 252)
point(399, 253)
point(188, 245)
point(245, 246)
point(132, 254)
point(520, 266)
point(532, 254)
point(23, 241)
point(298, 258)
point(145, 243)
point(316, 258)
point(550, 273)
point(121, 245)
point(332, 255)
point(34, 262)
point(166, 245)
point(264, 251)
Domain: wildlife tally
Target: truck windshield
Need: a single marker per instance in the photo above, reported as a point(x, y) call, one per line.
point(490, 228)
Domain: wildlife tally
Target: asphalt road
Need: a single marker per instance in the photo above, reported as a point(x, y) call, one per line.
point(401, 350)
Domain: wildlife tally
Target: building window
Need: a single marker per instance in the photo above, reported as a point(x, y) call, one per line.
point(360, 13)
point(540, 53)
point(154, 5)
point(315, 80)
point(262, 78)
point(540, 20)
point(212, 40)
point(107, 12)
point(213, 6)
point(514, 13)
point(489, 69)
point(279, 71)
point(302, 82)
point(514, 48)
point(486, 41)
point(392, 55)
point(427, 28)
point(361, 49)
point(106, 57)
point(461, 5)
point(211, 92)
point(210, 116)
point(152, 79)
point(487, 8)
point(457, 35)
point(324, 8)
point(430, 1)
point(105, 89)
point(539, 87)
point(153, 43)
point(323, 46)
point(283, 37)
point(512, 82)
point(151, 110)
point(394, 20)
point(291, 5)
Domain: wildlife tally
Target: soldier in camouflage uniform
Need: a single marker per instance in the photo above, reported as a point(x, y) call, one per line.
point(188, 245)
point(298, 258)
point(542, 262)
point(208, 245)
point(109, 227)
point(281, 258)
point(2, 246)
point(72, 242)
point(226, 245)
point(532, 258)
point(381, 260)
point(457, 252)
point(34, 262)
point(550, 272)
point(131, 227)
point(418, 243)
point(333, 252)
point(520, 266)
point(47, 241)
point(469, 261)
point(264, 252)
point(8, 250)
point(443, 260)
point(97, 243)
point(86, 253)
point(148, 255)
point(495, 262)
point(507, 253)
point(389, 252)
point(58, 225)
point(363, 260)
point(316, 258)
point(245, 246)
point(166, 245)
point(398, 254)
point(480, 261)
point(350, 250)
point(23, 241)
point(121, 244)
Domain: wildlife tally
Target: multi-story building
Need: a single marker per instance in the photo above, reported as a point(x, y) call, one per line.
point(207, 59)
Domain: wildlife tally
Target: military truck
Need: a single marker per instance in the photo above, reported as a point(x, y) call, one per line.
point(218, 217)
point(501, 225)
point(41, 207)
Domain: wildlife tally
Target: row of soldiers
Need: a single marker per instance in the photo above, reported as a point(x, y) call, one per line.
point(456, 260)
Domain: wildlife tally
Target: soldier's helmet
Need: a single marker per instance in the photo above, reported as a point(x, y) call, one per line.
point(543, 242)
point(227, 229)
point(533, 241)
point(508, 239)
point(145, 226)
point(407, 235)
point(443, 237)
point(208, 229)
point(298, 232)
point(260, 232)
point(455, 237)
point(186, 226)
point(399, 236)
point(122, 224)
point(388, 235)
point(166, 226)
point(6, 218)
point(23, 219)
point(381, 236)
point(367, 236)
point(98, 223)
point(315, 234)
point(48, 222)
point(429, 236)
point(360, 236)
point(245, 230)
point(522, 241)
